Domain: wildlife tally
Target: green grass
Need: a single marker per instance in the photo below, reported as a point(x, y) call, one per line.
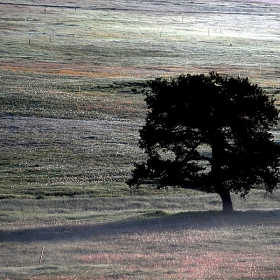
point(72, 82)
point(73, 78)
point(52, 140)
point(140, 238)
point(131, 40)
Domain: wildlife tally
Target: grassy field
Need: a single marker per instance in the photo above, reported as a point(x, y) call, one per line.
point(89, 62)
point(72, 81)
point(140, 238)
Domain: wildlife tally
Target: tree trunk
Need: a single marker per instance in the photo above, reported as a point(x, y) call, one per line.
point(217, 145)
point(227, 203)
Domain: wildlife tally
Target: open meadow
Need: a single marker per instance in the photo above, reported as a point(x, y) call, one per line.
point(140, 238)
point(72, 82)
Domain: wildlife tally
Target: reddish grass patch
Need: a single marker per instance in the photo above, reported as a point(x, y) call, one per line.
point(65, 69)
point(183, 266)
point(185, 256)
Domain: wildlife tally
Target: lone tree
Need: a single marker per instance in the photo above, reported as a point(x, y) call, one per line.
point(209, 132)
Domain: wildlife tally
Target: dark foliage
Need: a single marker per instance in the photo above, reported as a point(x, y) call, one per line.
point(209, 132)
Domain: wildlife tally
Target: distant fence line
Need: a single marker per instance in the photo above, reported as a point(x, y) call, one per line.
point(41, 5)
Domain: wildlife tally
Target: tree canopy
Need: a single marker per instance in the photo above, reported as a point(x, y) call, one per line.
point(209, 132)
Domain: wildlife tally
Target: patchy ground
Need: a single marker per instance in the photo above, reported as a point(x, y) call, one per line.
point(185, 245)
point(71, 102)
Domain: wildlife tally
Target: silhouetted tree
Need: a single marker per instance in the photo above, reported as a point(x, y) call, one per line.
point(209, 132)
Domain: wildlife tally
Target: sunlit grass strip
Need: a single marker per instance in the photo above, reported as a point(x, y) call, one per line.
point(183, 256)
point(204, 265)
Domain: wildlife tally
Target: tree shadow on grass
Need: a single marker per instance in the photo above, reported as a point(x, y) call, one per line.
point(159, 223)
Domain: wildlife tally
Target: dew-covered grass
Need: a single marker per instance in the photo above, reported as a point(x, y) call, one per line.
point(140, 39)
point(139, 238)
point(72, 78)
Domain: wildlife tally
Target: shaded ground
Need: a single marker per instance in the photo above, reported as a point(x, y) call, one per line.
point(164, 223)
point(186, 245)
